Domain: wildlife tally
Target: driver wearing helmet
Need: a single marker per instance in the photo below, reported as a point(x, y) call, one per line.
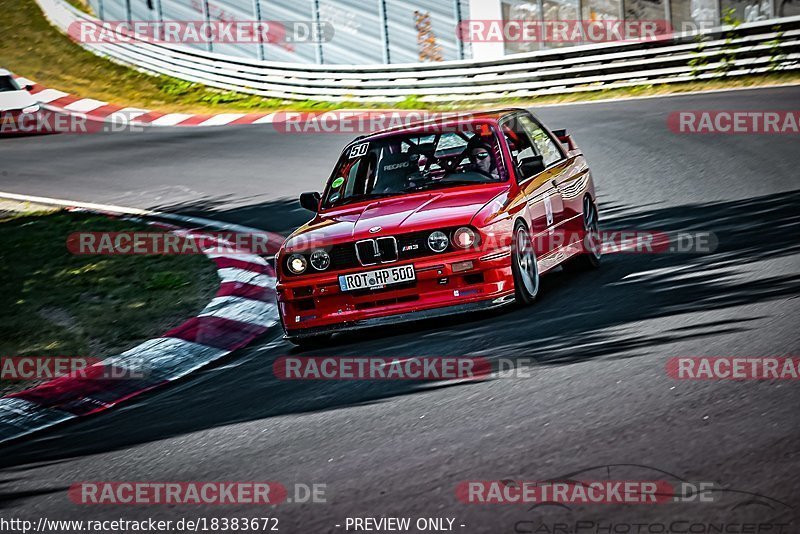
point(481, 158)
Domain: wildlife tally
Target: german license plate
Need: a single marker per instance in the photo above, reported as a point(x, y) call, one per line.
point(377, 279)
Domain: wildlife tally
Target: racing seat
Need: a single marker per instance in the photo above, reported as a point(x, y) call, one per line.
point(392, 173)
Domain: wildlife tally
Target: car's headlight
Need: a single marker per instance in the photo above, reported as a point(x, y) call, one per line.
point(297, 263)
point(438, 241)
point(465, 237)
point(320, 260)
point(31, 109)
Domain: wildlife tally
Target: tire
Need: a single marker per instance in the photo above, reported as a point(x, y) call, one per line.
point(589, 260)
point(524, 266)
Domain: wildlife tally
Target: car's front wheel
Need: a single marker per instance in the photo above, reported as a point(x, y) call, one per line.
point(524, 266)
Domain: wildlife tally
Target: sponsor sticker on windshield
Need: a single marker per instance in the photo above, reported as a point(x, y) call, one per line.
point(337, 183)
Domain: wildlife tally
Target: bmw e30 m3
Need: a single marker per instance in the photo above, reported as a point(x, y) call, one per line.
point(437, 218)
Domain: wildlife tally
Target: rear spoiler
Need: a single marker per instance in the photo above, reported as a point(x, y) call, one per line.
point(566, 140)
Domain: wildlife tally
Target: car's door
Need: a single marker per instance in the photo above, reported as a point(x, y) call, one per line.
point(539, 184)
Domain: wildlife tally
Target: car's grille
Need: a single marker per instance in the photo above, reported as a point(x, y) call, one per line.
point(377, 251)
point(344, 256)
point(409, 246)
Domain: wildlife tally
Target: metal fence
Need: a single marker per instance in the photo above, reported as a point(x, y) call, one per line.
point(750, 48)
point(368, 31)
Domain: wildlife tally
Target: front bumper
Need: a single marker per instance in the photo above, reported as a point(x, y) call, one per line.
point(314, 304)
point(404, 317)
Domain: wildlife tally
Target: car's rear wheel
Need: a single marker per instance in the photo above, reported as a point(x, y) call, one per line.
point(524, 266)
point(590, 258)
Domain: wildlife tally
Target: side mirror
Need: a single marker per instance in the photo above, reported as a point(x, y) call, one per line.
point(310, 201)
point(28, 87)
point(531, 166)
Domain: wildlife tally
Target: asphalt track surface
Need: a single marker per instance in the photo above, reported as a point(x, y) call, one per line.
point(597, 396)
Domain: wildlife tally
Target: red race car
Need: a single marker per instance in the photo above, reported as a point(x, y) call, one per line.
point(437, 218)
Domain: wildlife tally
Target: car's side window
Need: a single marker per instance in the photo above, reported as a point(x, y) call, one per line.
point(519, 142)
point(543, 142)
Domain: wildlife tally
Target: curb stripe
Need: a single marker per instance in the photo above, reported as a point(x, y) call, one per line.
point(19, 417)
point(247, 291)
point(169, 358)
point(85, 105)
point(234, 263)
point(247, 277)
point(105, 112)
point(63, 102)
point(243, 309)
point(149, 116)
point(170, 119)
point(217, 332)
point(223, 119)
point(194, 120)
point(48, 95)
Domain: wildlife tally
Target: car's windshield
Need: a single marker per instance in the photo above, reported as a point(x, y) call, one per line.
point(7, 84)
point(405, 163)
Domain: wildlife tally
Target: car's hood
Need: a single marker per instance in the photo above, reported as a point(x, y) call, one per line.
point(394, 215)
point(14, 100)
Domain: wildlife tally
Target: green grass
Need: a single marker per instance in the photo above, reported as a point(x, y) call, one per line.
point(38, 51)
point(54, 303)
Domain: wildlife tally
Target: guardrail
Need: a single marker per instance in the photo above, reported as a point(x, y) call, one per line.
point(750, 48)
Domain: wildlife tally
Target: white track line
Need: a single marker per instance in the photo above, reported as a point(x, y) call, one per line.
point(199, 221)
